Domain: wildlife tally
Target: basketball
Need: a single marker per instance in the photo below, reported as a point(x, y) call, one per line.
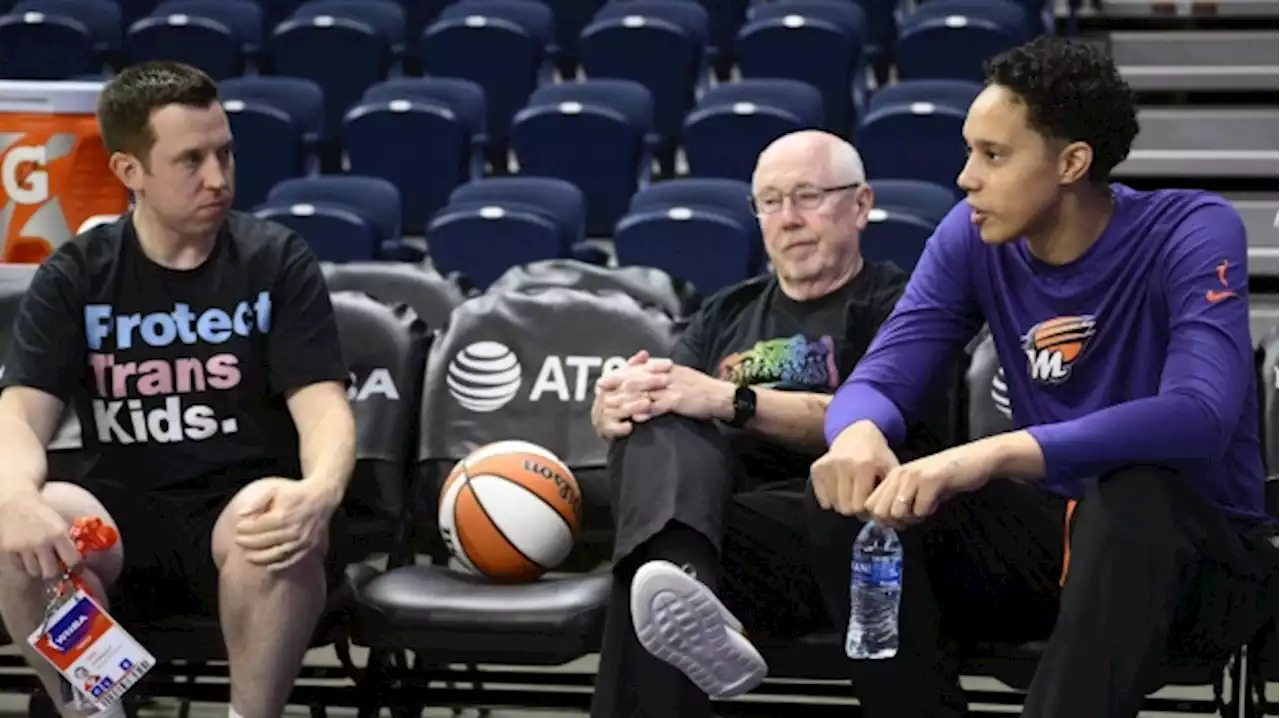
point(510, 511)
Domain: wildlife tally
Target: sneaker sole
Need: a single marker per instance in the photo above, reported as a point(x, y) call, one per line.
point(679, 620)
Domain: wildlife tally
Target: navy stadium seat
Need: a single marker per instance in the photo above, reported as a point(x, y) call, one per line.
point(732, 123)
point(912, 130)
point(431, 296)
point(216, 36)
point(498, 44)
point(925, 200)
point(820, 42)
point(559, 200)
point(343, 53)
point(950, 39)
point(707, 248)
point(34, 46)
point(277, 123)
point(463, 97)
point(377, 200)
point(895, 236)
point(723, 196)
point(606, 122)
point(670, 34)
point(482, 242)
point(335, 234)
point(420, 147)
point(650, 286)
point(102, 19)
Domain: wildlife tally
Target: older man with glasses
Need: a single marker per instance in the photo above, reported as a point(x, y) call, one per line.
point(711, 447)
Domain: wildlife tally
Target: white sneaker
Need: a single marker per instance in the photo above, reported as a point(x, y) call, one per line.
point(678, 619)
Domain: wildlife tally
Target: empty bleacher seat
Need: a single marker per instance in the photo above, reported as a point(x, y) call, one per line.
point(36, 46)
point(670, 35)
point(647, 285)
point(482, 241)
point(431, 296)
point(729, 197)
point(707, 248)
point(820, 42)
point(278, 124)
point(950, 39)
point(498, 44)
point(422, 148)
point(462, 97)
point(461, 618)
point(912, 130)
point(925, 200)
point(376, 199)
point(216, 36)
point(895, 236)
point(102, 19)
point(560, 200)
point(334, 45)
point(733, 122)
point(606, 123)
point(335, 234)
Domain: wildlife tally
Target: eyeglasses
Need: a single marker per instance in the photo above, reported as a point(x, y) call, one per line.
point(804, 196)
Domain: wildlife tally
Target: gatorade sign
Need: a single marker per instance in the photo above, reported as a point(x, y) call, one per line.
point(54, 179)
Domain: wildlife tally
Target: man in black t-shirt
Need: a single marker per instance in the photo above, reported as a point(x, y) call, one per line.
point(712, 447)
point(199, 349)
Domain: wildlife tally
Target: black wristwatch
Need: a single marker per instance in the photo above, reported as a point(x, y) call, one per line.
point(744, 406)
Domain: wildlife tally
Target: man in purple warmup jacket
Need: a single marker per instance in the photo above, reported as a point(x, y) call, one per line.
point(1127, 526)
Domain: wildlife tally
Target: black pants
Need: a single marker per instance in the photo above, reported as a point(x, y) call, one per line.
point(1156, 574)
point(168, 550)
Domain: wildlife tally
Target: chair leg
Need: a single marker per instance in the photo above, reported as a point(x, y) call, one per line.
point(318, 710)
point(373, 685)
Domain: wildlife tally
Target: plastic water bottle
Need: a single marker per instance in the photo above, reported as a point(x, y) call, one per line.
point(875, 589)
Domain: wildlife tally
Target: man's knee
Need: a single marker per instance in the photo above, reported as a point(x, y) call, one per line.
point(228, 552)
point(74, 502)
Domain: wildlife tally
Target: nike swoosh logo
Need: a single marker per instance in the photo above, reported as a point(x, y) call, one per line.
point(1215, 297)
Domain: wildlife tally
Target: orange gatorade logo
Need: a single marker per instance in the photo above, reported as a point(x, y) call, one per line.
point(1054, 345)
point(53, 180)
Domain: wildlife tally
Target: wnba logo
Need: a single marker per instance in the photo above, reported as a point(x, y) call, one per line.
point(484, 376)
point(1054, 345)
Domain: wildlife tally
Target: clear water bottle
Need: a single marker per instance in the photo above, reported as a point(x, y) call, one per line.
point(875, 588)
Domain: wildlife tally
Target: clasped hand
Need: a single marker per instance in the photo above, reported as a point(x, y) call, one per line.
point(649, 387)
point(860, 476)
point(283, 522)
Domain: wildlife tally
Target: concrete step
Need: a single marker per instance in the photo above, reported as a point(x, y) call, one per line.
point(1205, 142)
point(1208, 60)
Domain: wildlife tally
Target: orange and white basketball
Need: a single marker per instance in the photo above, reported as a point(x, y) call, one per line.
point(510, 510)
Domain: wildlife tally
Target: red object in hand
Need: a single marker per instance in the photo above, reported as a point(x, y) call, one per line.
point(90, 533)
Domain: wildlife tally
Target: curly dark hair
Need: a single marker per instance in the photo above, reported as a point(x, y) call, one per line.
point(1073, 92)
point(127, 101)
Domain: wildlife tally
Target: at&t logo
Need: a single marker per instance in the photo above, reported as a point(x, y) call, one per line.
point(484, 376)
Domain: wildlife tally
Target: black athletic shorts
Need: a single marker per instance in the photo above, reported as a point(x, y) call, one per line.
point(168, 550)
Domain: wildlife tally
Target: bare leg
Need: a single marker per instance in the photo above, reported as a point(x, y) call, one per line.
point(23, 599)
point(267, 618)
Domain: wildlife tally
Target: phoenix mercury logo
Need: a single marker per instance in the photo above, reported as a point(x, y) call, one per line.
point(1054, 345)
